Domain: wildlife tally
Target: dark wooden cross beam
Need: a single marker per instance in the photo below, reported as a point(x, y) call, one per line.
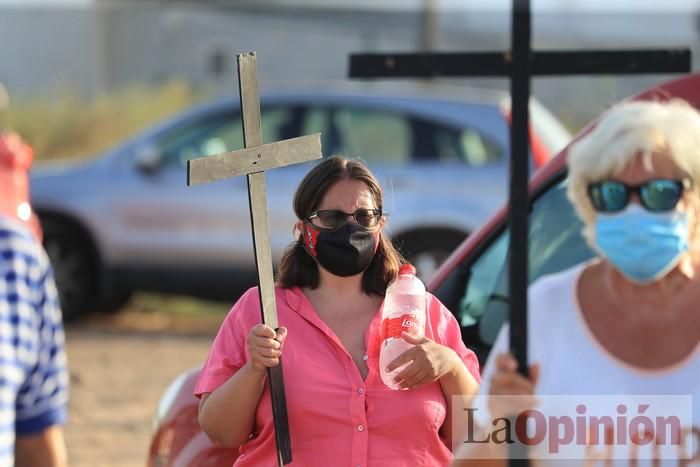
point(542, 63)
point(520, 63)
point(252, 162)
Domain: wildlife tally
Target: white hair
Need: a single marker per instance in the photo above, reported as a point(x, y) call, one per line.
point(633, 128)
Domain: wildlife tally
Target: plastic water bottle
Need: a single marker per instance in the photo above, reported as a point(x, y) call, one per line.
point(403, 311)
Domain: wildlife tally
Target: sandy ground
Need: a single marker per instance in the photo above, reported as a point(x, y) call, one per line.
point(119, 367)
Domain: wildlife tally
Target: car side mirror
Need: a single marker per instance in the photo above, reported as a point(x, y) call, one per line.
point(148, 159)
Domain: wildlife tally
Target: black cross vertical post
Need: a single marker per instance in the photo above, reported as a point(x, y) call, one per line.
point(519, 64)
point(519, 168)
point(252, 162)
point(518, 202)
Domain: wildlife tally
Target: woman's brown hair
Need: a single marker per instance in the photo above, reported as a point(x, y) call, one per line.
point(297, 268)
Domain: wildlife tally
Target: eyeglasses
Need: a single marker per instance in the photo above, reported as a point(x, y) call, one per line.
point(335, 218)
point(655, 195)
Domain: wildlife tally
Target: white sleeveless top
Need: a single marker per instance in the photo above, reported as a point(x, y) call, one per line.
point(572, 362)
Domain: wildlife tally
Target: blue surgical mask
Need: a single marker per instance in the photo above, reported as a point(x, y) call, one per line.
point(642, 245)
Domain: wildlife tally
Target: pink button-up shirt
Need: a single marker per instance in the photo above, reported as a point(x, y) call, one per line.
point(335, 417)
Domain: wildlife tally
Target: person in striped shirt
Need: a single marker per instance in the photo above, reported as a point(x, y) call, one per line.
point(33, 372)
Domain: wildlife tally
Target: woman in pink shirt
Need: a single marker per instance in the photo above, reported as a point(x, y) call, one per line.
point(331, 284)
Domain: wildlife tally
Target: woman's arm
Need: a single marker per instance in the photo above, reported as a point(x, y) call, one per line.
point(227, 415)
point(458, 385)
point(44, 449)
point(509, 393)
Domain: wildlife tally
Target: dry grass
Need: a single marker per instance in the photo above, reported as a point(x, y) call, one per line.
point(69, 127)
point(170, 314)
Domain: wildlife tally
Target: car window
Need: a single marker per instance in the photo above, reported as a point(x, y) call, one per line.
point(378, 137)
point(466, 145)
point(478, 292)
point(220, 133)
point(381, 137)
point(318, 119)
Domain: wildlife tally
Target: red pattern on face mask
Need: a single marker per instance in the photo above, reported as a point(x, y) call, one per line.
point(310, 235)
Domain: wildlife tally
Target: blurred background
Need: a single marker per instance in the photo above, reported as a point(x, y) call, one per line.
point(147, 267)
point(126, 63)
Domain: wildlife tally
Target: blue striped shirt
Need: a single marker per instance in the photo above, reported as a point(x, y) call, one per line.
point(33, 372)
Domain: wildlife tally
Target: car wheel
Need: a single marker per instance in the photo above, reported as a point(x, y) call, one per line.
point(428, 249)
point(73, 265)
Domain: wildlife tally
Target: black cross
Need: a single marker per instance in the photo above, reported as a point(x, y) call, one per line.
point(520, 63)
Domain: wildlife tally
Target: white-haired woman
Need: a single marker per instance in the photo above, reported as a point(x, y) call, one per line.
point(626, 323)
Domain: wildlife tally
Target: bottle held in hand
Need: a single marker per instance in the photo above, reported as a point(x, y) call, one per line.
point(403, 311)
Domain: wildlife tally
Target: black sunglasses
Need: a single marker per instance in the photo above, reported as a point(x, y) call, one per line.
point(335, 218)
point(656, 195)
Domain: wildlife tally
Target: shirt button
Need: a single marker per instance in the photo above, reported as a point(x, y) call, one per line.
point(360, 428)
point(365, 357)
point(360, 391)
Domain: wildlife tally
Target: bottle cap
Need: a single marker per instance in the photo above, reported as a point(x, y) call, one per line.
point(407, 269)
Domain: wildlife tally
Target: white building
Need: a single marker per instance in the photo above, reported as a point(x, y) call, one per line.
point(89, 46)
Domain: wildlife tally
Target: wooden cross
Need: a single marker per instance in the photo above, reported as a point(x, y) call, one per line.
point(252, 162)
point(520, 63)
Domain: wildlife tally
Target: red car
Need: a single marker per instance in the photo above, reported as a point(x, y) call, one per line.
point(15, 161)
point(472, 283)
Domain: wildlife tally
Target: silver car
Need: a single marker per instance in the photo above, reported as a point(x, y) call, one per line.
point(126, 220)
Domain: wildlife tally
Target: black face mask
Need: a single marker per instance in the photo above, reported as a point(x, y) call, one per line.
point(343, 252)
